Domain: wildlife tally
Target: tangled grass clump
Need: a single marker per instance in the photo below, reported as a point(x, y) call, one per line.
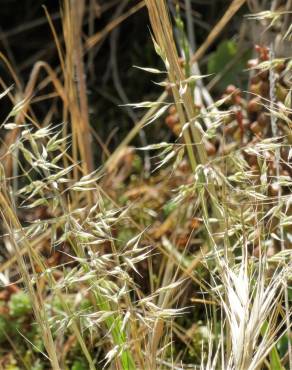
point(188, 267)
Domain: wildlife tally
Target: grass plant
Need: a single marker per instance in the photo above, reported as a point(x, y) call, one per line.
point(187, 269)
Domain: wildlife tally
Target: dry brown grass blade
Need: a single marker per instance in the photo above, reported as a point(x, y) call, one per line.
point(94, 39)
point(230, 12)
point(76, 92)
point(77, 13)
point(56, 39)
point(11, 70)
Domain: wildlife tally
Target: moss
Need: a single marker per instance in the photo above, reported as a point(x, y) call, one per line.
point(168, 208)
point(4, 327)
point(79, 365)
point(20, 304)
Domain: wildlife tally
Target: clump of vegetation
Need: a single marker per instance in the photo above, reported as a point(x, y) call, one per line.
point(171, 255)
